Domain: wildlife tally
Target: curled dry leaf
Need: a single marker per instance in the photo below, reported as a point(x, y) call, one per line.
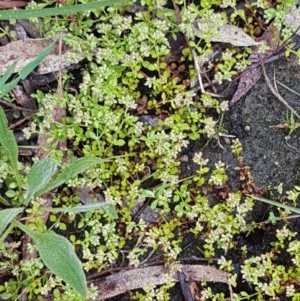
point(24, 51)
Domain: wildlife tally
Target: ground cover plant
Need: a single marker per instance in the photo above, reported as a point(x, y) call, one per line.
point(135, 108)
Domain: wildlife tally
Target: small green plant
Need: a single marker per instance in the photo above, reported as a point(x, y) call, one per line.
point(55, 251)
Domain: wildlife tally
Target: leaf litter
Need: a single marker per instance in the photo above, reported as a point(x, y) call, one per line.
point(228, 34)
point(24, 51)
point(251, 76)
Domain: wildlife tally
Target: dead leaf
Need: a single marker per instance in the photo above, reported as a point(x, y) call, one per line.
point(235, 36)
point(251, 76)
point(229, 34)
point(248, 79)
point(12, 4)
point(24, 51)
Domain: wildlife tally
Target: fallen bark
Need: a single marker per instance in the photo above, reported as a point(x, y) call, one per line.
point(124, 281)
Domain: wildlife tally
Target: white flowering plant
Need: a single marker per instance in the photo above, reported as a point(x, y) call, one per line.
point(136, 107)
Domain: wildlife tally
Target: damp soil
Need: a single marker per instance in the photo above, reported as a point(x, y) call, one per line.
point(270, 150)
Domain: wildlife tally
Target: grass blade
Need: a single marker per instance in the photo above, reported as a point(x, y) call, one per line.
point(13, 14)
point(73, 169)
point(111, 211)
point(6, 88)
point(8, 73)
point(8, 141)
point(277, 204)
point(33, 64)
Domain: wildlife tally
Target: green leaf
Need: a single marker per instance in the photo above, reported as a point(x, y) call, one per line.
point(148, 193)
point(5, 89)
point(73, 169)
point(154, 204)
point(58, 255)
point(39, 176)
point(111, 211)
point(7, 215)
point(33, 64)
point(8, 73)
point(8, 141)
point(84, 208)
point(119, 142)
point(12, 14)
point(277, 204)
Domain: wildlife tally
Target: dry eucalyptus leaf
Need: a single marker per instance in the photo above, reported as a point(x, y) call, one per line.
point(235, 36)
point(24, 51)
point(251, 76)
point(247, 81)
point(229, 34)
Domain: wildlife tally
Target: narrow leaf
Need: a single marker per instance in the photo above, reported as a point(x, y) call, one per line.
point(54, 11)
point(7, 215)
point(6, 88)
point(33, 64)
point(39, 176)
point(4, 202)
point(277, 204)
point(8, 141)
point(77, 209)
point(58, 255)
point(73, 169)
point(8, 73)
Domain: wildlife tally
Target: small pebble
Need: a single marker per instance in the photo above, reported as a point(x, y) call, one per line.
point(183, 158)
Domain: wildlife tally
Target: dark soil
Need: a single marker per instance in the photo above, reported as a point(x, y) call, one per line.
point(272, 155)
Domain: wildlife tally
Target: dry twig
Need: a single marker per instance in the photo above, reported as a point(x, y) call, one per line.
point(276, 93)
